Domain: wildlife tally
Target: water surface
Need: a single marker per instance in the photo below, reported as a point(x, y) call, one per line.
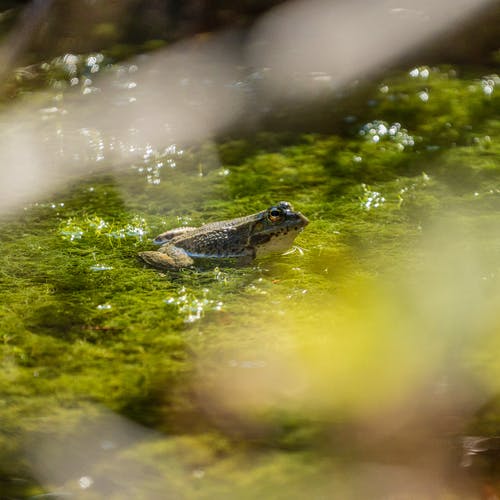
point(355, 364)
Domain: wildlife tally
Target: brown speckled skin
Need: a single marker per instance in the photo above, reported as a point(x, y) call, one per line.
point(243, 238)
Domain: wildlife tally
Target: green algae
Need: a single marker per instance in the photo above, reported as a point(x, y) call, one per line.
point(84, 323)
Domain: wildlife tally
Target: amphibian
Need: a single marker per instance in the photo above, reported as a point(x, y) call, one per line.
point(244, 238)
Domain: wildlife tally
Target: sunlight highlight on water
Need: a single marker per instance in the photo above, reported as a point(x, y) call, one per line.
point(191, 307)
point(380, 130)
point(488, 84)
point(423, 95)
point(95, 226)
point(422, 72)
point(371, 199)
point(85, 482)
point(155, 160)
point(101, 267)
point(104, 307)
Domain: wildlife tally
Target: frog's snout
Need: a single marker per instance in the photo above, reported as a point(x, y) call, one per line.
point(303, 219)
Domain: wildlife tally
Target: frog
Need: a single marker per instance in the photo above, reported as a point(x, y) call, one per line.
point(272, 230)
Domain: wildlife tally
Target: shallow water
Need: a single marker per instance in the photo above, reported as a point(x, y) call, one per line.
point(355, 365)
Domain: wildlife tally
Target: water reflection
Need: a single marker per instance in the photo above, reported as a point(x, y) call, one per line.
point(193, 91)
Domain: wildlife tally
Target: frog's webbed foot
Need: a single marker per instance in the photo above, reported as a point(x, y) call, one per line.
point(171, 258)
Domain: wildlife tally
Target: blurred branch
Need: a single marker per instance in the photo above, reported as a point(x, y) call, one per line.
point(22, 34)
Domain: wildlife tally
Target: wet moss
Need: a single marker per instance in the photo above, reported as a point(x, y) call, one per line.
point(84, 322)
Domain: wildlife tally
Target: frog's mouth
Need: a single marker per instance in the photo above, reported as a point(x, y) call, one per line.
point(303, 219)
point(299, 221)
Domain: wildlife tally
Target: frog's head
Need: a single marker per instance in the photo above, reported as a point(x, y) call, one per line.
point(276, 228)
point(283, 215)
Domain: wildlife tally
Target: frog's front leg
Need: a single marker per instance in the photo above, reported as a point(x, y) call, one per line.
point(246, 258)
point(167, 258)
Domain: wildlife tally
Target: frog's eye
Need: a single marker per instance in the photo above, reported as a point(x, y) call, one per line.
point(275, 214)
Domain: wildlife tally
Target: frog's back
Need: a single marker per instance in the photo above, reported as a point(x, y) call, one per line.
point(217, 239)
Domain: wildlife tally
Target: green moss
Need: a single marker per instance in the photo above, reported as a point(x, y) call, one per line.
point(83, 323)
